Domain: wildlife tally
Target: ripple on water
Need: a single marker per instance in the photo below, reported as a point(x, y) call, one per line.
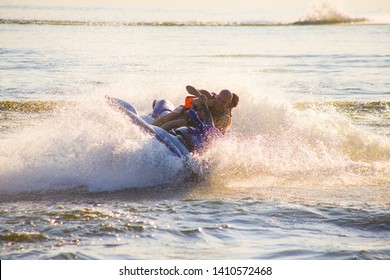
point(23, 237)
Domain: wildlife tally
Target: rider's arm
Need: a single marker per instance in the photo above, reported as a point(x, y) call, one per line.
point(174, 124)
point(197, 93)
point(207, 117)
point(193, 91)
point(177, 113)
point(207, 94)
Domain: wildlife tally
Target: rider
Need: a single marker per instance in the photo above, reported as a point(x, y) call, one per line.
point(220, 106)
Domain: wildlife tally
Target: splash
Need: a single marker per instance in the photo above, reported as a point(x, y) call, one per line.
point(84, 144)
point(273, 143)
point(326, 14)
point(281, 145)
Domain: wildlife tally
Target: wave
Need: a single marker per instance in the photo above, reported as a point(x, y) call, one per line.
point(143, 23)
point(307, 21)
point(326, 14)
point(369, 107)
point(36, 106)
point(28, 106)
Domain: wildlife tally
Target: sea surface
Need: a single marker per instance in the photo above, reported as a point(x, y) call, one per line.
point(304, 172)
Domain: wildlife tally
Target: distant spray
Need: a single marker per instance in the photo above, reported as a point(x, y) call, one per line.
point(325, 13)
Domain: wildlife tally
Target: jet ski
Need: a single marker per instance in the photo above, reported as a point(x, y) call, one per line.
point(182, 142)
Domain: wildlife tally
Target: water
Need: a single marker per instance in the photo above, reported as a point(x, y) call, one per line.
point(303, 174)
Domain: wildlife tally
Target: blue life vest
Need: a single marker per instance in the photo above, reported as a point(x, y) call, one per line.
point(197, 135)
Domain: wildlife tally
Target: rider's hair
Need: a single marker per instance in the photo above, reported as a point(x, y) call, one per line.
point(235, 100)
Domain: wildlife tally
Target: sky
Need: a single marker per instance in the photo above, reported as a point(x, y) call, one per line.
point(215, 3)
